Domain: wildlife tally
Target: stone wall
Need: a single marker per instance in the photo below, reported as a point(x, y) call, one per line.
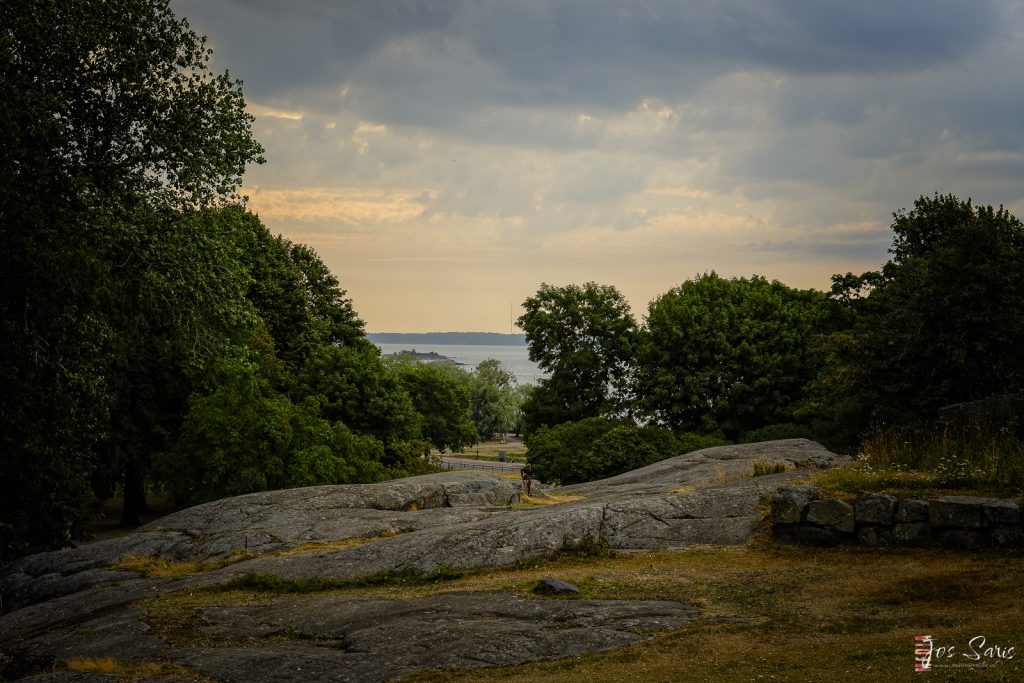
point(799, 514)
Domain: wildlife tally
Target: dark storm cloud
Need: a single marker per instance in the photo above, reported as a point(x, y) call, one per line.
point(583, 52)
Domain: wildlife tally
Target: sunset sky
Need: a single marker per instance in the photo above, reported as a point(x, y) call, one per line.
point(445, 157)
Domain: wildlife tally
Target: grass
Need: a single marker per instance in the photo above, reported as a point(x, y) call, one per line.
point(768, 611)
point(160, 567)
point(514, 450)
point(762, 467)
point(268, 583)
point(127, 670)
point(784, 613)
point(970, 459)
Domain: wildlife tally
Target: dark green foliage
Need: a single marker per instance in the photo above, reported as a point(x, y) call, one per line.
point(584, 337)
point(245, 437)
point(441, 396)
point(114, 130)
point(145, 318)
point(355, 387)
point(594, 448)
point(942, 322)
point(730, 355)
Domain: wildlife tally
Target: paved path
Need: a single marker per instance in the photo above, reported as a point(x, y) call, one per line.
point(470, 464)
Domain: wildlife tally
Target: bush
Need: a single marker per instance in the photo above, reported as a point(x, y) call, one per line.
point(594, 448)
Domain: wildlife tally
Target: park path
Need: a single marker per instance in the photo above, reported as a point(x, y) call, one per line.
point(452, 463)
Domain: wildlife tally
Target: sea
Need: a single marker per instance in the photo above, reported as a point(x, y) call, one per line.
point(515, 359)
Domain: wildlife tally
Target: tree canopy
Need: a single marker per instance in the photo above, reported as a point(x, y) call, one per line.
point(116, 133)
point(940, 324)
point(154, 332)
point(583, 336)
point(730, 356)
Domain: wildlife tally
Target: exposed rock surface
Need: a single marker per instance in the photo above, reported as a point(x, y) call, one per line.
point(73, 604)
point(358, 639)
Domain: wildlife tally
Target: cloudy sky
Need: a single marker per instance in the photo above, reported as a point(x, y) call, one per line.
point(445, 157)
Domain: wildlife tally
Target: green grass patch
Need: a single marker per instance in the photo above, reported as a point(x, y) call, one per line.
point(971, 459)
point(269, 583)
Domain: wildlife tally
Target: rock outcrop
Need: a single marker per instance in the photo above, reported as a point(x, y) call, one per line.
point(76, 603)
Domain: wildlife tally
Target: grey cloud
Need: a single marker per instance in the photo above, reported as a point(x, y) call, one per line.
point(855, 248)
point(581, 51)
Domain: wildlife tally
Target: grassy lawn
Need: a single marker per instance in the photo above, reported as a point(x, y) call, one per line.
point(514, 449)
point(782, 613)
point(769, 612)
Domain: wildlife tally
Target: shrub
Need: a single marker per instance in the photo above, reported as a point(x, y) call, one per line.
point(594, 448)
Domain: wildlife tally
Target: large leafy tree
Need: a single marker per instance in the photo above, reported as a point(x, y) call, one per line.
point(583, 336)
point(494, 397)
point(730, 355)
point(293, 292)
point(356, 387)
point(941, 323)
point(243, 437)
point(441, 396)
point(115, 132)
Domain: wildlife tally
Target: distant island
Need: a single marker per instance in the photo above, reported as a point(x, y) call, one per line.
point(425, 357)
point(448, 338)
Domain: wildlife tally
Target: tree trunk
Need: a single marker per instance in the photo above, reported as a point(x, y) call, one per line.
point(134, 496)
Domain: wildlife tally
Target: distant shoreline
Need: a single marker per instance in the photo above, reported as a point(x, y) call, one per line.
point(448, 338)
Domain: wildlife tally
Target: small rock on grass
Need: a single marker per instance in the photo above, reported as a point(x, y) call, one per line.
point(555, 587)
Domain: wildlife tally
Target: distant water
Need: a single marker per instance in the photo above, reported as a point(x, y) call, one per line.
point(515, 359)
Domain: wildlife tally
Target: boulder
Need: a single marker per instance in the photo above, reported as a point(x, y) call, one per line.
point(875, 508)
point(957, 511)
point(911, 534)
point(549, 586)
point(911, 511)
point(789, 504)
point(832, 513)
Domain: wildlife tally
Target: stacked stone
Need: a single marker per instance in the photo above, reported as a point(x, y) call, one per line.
point(800, 515)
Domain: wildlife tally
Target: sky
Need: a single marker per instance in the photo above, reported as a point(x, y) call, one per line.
point(446, 157)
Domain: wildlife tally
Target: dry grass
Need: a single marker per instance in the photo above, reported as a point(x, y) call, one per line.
point(160, 567)
point(133, 671)
point(515, 451)
point(337, 544)
point(769, 612)
point(762, 467)
point(797, 614)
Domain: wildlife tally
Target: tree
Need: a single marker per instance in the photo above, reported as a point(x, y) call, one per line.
point(494, 399)
point(942, 322)
point(112, 123)
point(596, 447)
point(441, 396)
point(355, 387)
point(245, 437)
point(730, 355)
point(294, 293)
point(583, 337)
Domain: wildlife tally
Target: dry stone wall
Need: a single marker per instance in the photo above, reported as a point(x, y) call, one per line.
point(800, 514)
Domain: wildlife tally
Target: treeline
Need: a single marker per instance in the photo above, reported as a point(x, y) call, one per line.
point(722, 360)
point(154, 335)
